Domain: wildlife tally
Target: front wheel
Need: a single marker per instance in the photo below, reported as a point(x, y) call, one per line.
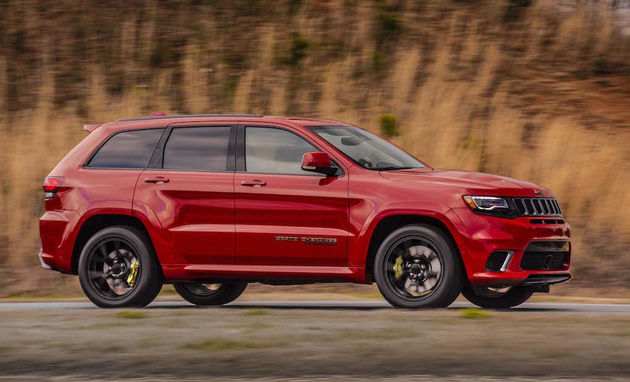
point(418, 266)
point(210, 294)
point(492, 298)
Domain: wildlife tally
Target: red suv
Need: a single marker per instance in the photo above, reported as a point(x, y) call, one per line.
point(212, 202)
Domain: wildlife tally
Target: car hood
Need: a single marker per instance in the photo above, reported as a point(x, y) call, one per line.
point(475, 183)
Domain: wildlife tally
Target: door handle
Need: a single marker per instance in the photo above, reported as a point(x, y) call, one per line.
point(253, 183)
point(156, 180)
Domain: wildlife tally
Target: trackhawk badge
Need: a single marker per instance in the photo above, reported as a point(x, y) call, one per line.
point(309, 240)
point(538, 192)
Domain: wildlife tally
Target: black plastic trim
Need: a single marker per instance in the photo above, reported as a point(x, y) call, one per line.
point(158, 152)
point(191, 116)
point(240, 149)
point(546, 256)
point(547, 279)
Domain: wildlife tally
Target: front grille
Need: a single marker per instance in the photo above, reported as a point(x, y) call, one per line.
point(543, 261)
point(546, 256)
point(537, 206)
point(546, 221)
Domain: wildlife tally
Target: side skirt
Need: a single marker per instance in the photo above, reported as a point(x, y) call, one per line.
point(181, 272)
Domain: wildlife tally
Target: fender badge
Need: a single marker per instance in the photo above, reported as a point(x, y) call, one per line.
point(286, 238)
point(319, 240)
point(309, 240)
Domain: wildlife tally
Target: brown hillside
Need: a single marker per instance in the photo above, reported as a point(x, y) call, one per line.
point(528, 90)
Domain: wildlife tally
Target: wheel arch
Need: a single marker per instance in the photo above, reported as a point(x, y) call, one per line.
point(388, 224)
point(98, 222)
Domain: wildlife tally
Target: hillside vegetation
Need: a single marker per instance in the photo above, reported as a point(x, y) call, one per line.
point(525, 89)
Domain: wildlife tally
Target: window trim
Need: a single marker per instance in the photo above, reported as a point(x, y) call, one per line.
point(86, 163)
point(156, 163)
point(240, 152)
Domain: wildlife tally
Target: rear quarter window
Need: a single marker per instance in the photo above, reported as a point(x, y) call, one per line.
point(128, 149)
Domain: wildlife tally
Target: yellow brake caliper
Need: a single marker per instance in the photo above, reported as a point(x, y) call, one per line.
point(133, 273)
point(398, 267)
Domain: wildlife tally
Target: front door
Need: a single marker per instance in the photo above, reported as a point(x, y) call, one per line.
point(284, 215)
point(190, 189)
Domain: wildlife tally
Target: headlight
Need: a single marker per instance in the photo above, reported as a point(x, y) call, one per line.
point(501, 207)
point(486, 203)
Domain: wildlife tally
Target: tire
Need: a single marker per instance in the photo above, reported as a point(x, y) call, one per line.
point(104, 253)
point(426, 255)
point(489, 299)
point(199, 294)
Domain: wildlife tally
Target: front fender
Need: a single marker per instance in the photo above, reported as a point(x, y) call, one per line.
point(359, 247)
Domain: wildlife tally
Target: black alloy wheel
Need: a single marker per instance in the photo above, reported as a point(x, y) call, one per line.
point(413, 267)
point(418, 266)
point(117, 268)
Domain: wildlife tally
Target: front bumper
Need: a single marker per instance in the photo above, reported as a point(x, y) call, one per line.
point(478, 236)
point(42, 262)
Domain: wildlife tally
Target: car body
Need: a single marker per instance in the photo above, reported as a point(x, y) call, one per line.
point(270, 223)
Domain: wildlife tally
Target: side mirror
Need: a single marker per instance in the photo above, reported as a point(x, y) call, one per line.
point(318, 162)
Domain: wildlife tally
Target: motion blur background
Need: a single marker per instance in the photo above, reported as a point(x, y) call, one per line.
point(537, 90)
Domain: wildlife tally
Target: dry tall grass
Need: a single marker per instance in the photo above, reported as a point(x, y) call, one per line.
point(535, 93)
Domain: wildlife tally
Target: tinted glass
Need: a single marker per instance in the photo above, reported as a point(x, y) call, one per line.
point(198, 148)
point(275, 151)
point(130, 149)
point(366, 149)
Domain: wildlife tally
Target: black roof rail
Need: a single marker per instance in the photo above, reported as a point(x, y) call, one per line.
point(189, 116)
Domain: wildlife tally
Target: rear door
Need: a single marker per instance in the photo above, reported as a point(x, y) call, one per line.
point(284, 215)
point(189, 188)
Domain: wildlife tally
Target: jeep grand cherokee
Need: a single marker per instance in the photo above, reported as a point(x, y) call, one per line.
point(210, 203)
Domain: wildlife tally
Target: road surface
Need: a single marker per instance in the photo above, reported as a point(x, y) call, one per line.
point(335, 340)
point(579, 308)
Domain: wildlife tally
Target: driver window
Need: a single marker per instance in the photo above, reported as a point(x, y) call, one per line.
point(275, 151)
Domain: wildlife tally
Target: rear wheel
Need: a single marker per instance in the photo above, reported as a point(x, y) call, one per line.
point(117, 268)
point(417, 266)
point(493, 298)
point(210, 294)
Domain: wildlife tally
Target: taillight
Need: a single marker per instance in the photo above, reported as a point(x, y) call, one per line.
point(51, 186)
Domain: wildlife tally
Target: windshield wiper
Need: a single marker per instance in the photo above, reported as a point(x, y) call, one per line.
point(394, 168)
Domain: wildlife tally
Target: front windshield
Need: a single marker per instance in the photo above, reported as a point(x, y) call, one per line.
point(366, 149)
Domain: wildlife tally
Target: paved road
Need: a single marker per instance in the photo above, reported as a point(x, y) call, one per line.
point(586, 309)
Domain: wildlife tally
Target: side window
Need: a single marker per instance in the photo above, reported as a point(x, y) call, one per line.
point(198, 148)
point(275, 151)
point(129, 149)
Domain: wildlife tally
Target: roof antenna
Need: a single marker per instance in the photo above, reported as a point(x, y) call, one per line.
point(157, 114)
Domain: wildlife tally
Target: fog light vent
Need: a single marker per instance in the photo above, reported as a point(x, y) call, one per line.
point(498, 261)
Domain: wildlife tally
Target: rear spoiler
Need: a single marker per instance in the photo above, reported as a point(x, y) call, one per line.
point(90, 128)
